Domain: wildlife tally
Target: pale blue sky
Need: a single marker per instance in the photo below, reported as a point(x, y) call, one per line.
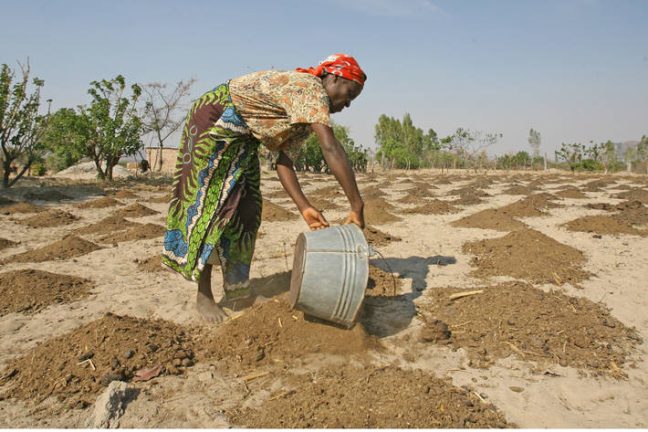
point(576, 70)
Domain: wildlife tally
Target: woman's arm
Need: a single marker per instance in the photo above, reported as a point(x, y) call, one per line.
point(288, 179)
point(338, 162)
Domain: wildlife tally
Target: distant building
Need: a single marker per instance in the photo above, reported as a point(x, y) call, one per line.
point(168, 156)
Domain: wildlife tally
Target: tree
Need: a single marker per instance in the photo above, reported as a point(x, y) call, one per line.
point(21, 126)
point(65, 137)
point(309, 156)
point(534, 141)
point(114, 125)
point(159, 118)
point(403, 144)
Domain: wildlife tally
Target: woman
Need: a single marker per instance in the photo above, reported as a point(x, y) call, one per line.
point(215, 211)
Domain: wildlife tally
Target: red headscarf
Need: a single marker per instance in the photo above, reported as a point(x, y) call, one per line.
point(338, 64)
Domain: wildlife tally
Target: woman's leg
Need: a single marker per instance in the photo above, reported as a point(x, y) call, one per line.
point(205, 303)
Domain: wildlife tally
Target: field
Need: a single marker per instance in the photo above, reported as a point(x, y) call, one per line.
point(500, 300)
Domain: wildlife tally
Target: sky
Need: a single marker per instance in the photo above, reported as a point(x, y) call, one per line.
point(574, 70)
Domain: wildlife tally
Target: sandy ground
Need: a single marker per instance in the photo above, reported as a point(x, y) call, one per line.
point(528, 395)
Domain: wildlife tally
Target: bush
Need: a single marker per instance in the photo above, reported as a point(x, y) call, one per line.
point(38, 169)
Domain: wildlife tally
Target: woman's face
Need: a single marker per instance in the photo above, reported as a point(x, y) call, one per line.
point(341, 92)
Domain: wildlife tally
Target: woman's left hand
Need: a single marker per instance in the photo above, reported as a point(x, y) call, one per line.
point(314, 218)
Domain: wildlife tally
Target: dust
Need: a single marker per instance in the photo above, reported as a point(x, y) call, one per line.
point(603, 225)
point(49, 218)
point(528, 255)
point(152, 264)
point(369, 397)
point(69, 247)
point(76, 366)
point(137, 232)
point(135, 210)
point(30, 291)
point(271, 333)
point(434, 206)
point(102, 202)
point(382, 283)
point(271, 212)
point(531, 324)
point(377, 238)
point(496, 219)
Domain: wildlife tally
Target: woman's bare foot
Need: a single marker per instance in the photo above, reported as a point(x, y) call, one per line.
point(209, 310)
point(205, 303)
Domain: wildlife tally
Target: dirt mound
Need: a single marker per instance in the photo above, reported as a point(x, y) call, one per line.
point(279, 193)
point(375, 237)
point(441, 180)
point(323, 204)
point(377, 212)
point(469, 190)
point(468, 198)
point(603, 225)
point(121, 193)
point(4, 243)
point(49, 218)
point(495, 219)
point(79, 364)
point(30, 291)
point(159, 199)
point(636, 194)
point(596, 185)
point(531, 206)
point(533, 325)
point(369, 397)
point(68, 247)
point(411, 198)
point(46, 195)
point(137, 232)
point(102, 202)
point(626, 205)
point(106, 225)
point(528, 255)
point(328, 192)
point(570, 192)
point(434, 206)
point(21, 207)
point(152, 264)
point(382, 283)
point(633, 212)
point(373, 191)
point(6, 201)
point(273, 213)
point(271, 332)
point(135, 210)
point(518, 189)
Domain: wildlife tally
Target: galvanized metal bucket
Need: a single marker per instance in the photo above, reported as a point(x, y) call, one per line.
point(330, 273)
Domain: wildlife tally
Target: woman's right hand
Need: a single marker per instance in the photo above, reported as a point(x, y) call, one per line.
point(356, 217)
point(314, 218)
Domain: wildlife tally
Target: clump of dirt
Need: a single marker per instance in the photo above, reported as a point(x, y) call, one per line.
point(152, 264)
point(636, 194)
point(528, 255)
point(328, 192)
point(633, 212)
point(377, 211)
point(375, 237)
point(137, 232)
point(603, 225)
point(531, 206)
point(135, 210)
point(469, 198)
point(5, 243)
point(49, 218)
point(271, 212)
point(323, 204)
point(518, 189)
point(121, 193)
point(46, 195)
point(30, 291)
point(596, 185)
point(69, 247)
point(469, 190)
point(78, 365)
point(571, 192)
point(496, 219)
point(434, 206)
point(545, 327)
point(102, 202)
point(271, 332)
point(369, 397)
point(382, 283)
point(20, 207)
point(107, 225)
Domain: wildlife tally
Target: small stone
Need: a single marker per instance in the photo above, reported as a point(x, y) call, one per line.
point(129, 354)
point(516, 389)
point(180, 354)
point(152, 347)
point(110, 377)
point(176, 362)
point(581, 341)
point(187, 362)
point(86, 356)
point(597, 236)
point(114, 363)
point(510, 321)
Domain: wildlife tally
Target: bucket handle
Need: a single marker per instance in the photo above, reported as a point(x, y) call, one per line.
point(372, 253)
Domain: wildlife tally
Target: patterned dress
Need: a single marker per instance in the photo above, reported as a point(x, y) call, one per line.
point(215, 210)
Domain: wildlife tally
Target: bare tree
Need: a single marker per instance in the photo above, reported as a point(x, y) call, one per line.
point(160, 117)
